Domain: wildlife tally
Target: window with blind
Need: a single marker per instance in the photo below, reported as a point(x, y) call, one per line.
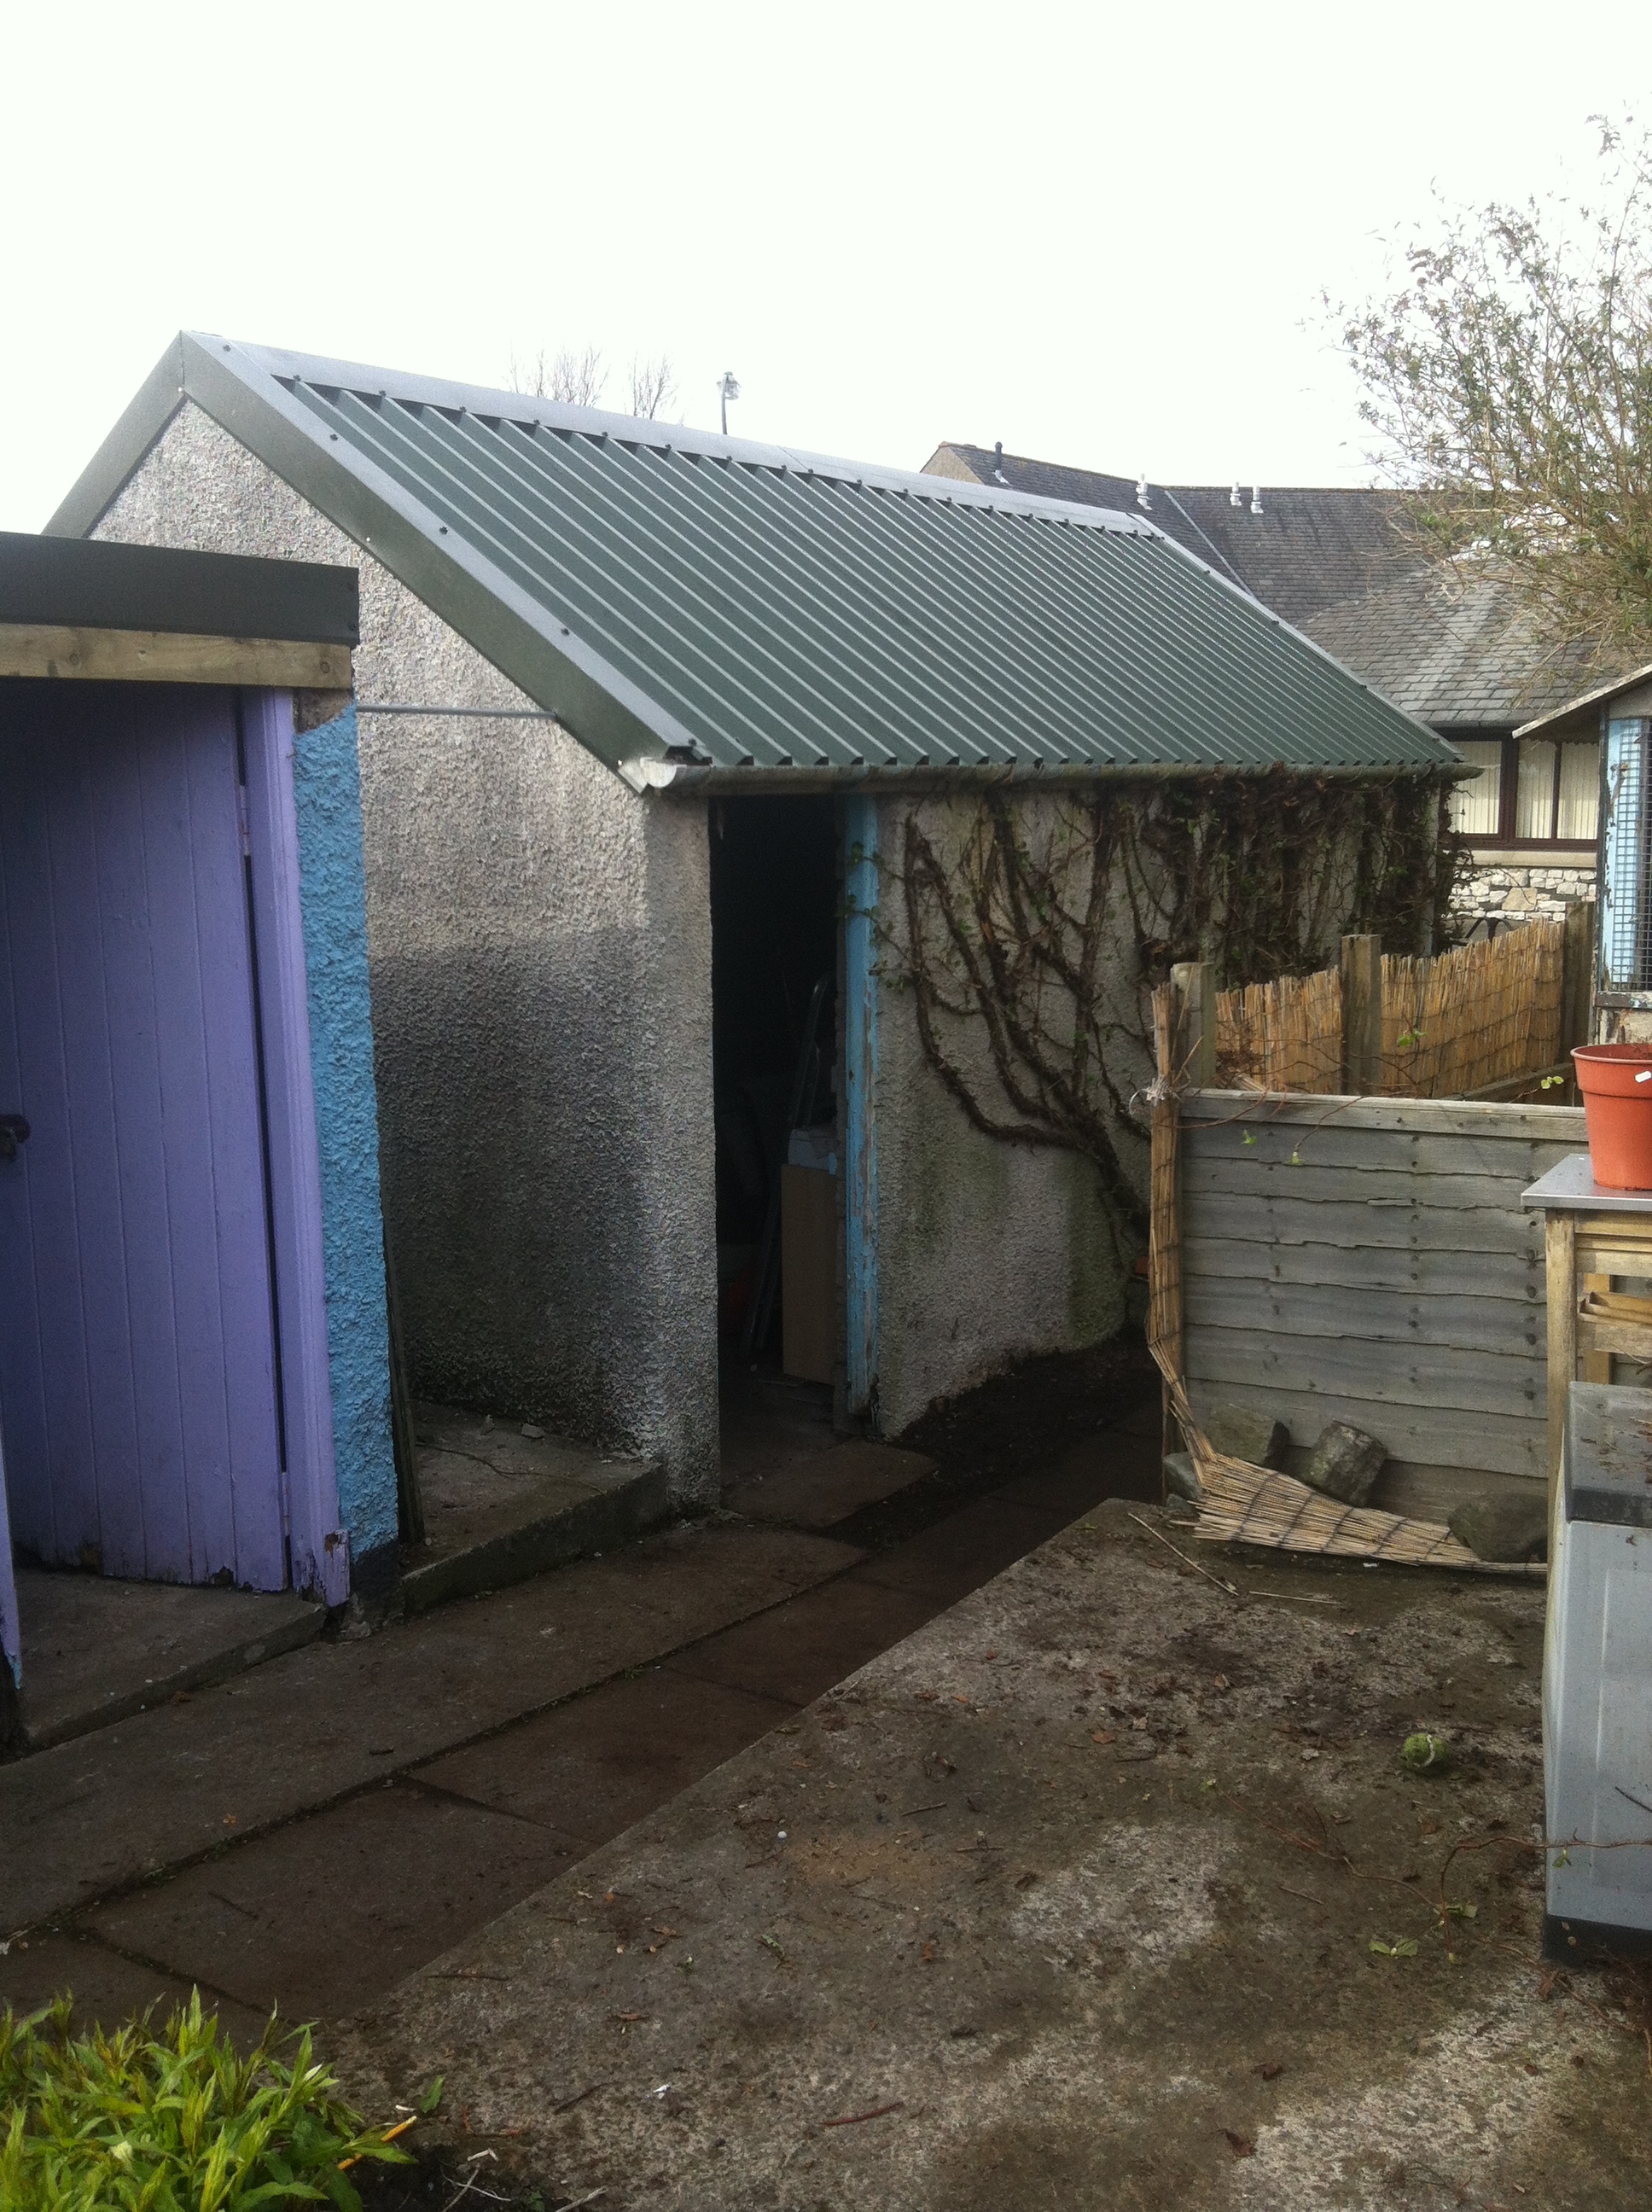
point(1530, 791)
point(1476, 805)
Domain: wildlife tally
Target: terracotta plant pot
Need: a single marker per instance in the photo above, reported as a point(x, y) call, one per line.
point(1616, 1084)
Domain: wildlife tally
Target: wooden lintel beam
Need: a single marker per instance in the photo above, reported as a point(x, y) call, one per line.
point(126, 656)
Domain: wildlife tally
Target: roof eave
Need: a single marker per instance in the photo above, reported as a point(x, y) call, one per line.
point(117, 459)
point(603, 709)
point(1584, 709)
point(677, 780)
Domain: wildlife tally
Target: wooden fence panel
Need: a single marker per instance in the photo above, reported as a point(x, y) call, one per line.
point(1388, 1277)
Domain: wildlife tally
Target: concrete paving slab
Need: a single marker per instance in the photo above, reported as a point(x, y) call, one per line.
point(589, 1768)
point(107, 1989)
point(110, 1808)
point(798, 1652)
point(1078, 1904)
point(95, 1650)
point(325, 1915)
point(822, 1488)
point(957, 1555)
point(500, 1505)
point(1106, 1465)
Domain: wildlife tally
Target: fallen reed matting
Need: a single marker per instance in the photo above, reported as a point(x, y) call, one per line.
point(1246, 1504)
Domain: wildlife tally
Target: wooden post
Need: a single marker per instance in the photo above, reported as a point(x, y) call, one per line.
point(1194, 1030)
point(1560, 1254)
point(1577, 976)
point(1361, 1015)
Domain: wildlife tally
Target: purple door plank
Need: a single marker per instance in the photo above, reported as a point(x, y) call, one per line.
point(134, 1240)
point(199, 899)
point(99, 1251)
point(11, 1641)
point(122, 889)
point(44, 1403)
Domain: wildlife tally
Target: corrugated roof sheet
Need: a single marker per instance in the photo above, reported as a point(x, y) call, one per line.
point(664, 591)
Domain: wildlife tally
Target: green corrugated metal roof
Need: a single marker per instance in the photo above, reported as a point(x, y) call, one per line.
point(668, 592)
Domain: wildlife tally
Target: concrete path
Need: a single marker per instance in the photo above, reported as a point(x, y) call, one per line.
point(1103, 1890)
point(97, 1650)
point(309, 1833)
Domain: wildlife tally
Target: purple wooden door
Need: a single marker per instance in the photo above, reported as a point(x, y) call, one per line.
point(138, 1369)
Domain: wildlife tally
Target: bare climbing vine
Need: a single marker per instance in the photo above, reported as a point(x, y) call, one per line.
point(1038, 931)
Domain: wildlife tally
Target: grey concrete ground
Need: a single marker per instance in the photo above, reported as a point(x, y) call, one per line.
point(97, 1650)
point(309, 1833)
point(1104, 1889)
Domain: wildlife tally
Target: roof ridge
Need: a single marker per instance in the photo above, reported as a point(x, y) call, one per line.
point(411, 388)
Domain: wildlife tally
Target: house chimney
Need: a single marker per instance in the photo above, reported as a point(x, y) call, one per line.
point(997, 464)
point(1142, 500)
point(1256, 499)
point(1236, 497)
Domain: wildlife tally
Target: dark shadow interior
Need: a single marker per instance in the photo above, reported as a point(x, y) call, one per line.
point(773, 923)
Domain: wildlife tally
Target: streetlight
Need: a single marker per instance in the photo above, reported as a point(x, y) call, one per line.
point(728, 388)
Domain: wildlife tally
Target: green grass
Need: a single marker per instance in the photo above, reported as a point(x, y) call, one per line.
point(170, 2121)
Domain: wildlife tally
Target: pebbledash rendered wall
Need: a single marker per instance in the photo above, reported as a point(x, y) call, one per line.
point(540, 956)
point(987, 1251)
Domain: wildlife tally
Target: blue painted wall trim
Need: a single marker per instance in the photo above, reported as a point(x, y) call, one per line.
point(860, 1101)
point(1626, 806)
point(332, 889)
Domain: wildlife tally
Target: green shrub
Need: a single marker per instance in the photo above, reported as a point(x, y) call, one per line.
point(169, 2121)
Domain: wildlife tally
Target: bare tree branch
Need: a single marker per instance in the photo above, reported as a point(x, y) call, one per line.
point(576, 380)
point(1509, 385)
point(653, 384)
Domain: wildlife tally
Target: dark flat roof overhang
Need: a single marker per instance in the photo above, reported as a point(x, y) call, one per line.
point(86, 584)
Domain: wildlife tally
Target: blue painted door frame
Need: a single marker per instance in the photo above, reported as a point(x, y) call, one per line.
point(860, 1102)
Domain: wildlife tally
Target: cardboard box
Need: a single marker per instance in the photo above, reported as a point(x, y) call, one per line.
point(808, 1273)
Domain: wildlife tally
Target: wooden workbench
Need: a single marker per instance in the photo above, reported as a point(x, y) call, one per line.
point(1593, 1238)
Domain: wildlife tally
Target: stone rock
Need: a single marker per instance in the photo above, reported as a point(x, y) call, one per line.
point(1507, 1524)
point(1257, 1438)
point(1345, 1463)
point(1181, 1478)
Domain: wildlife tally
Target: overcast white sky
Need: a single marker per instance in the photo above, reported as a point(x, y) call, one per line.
point(1099, 233)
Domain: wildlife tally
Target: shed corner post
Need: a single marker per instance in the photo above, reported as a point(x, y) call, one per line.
point(860, 1102)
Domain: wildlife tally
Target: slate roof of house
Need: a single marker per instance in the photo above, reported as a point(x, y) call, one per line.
point(1332, 562)
point(682, 599)
point(1309, 549)
point(1458, 657)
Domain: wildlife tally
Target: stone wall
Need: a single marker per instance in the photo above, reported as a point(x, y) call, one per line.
point(1515, 887)
point(539, 943)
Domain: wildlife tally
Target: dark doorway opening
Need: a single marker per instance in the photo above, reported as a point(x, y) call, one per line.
point(774, 921)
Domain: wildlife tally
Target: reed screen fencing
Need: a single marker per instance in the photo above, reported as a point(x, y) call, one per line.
point(1469, 1021)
